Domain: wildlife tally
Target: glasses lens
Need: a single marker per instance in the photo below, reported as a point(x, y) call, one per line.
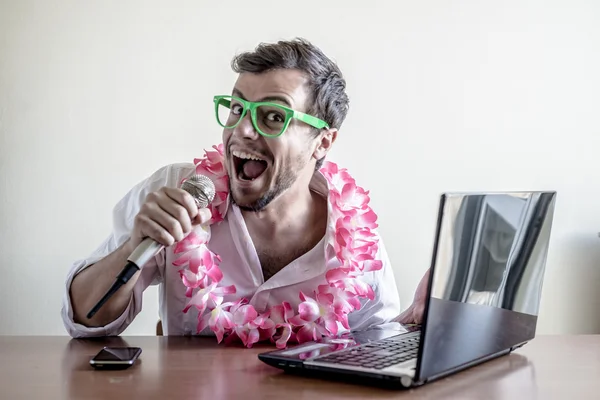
point(271, 119)
point(229, 111)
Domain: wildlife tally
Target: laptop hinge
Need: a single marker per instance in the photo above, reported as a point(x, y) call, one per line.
point(519, 345)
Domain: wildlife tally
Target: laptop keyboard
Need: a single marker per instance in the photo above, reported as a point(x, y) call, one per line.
point(377, 355)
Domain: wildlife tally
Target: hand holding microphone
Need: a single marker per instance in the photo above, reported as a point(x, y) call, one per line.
point(166, 217)
point(168, 214)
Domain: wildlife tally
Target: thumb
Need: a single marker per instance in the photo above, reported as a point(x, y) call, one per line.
point(204, 215)
point(406, 316)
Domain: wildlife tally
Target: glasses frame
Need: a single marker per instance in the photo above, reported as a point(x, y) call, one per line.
point(290, 114)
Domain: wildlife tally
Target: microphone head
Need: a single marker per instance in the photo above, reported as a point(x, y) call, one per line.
point(201, 188)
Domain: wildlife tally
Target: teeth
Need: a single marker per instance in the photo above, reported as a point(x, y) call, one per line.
point(246, 156)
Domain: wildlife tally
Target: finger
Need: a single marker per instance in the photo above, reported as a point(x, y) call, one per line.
point(184, 199)
point(153, 230)
point(165, 220)
point(405, 317)
point(204, 215)
point(177, 211)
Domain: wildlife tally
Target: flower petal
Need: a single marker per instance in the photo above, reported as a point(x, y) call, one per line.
point(242, 333)
point(192, 241)
point(372, 265)
point(199, 300)
point(220, 322)
point(244, 315)
point(331, 325)
point(185, 258)
point(297, 321)
point(277, 314)
point(308, 310)
point(225, 290)
point(214, 273)
point(189, 279)
point(286, 333)
point(252, 337)
point(307, 333)
point(337, 274)
point(203, 322)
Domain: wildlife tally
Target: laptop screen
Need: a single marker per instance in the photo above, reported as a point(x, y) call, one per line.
point(488, 265)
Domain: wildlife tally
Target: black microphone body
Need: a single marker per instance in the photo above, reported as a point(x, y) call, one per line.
point(202, 190)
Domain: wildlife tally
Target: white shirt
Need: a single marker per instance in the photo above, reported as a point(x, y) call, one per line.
point(240, 266)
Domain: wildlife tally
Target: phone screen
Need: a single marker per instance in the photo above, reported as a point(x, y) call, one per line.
point(117, 354)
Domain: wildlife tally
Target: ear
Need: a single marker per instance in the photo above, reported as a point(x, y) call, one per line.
point(324, 143)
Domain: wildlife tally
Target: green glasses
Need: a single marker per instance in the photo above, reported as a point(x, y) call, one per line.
point(269, 119)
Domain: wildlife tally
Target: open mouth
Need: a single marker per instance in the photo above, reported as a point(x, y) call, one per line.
point(248, 166)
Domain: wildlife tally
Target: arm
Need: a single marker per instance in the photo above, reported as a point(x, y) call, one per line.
point(154, 208)
point(82, 290)
point(74, 310)
point(89, 286)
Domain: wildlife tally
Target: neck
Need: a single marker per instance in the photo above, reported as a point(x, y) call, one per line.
point(292, 212)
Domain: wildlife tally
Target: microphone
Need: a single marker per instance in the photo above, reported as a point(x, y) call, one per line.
point(202, 190)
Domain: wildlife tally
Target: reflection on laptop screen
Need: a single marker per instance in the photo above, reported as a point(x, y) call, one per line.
point(488, 268)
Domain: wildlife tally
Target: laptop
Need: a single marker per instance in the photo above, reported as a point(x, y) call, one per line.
point(488, 264)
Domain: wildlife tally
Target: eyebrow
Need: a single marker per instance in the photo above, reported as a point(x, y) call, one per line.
point(281, 99)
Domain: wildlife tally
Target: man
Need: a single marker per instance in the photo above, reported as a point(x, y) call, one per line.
point(288, 249)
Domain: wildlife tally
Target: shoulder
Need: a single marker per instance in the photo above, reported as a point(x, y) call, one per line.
point(169, 175)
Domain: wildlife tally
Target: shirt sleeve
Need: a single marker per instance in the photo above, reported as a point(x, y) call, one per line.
point(123, 217)
point(386, 304)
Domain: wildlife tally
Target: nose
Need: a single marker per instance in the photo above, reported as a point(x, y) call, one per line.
point(245, 129)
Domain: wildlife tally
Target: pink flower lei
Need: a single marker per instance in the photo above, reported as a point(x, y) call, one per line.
point(323, 313)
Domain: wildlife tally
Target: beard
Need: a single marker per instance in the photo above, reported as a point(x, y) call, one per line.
point(284, 179)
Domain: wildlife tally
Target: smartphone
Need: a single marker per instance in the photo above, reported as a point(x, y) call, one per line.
point(115, 357)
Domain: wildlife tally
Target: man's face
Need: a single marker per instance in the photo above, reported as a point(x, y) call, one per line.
point(262, 168)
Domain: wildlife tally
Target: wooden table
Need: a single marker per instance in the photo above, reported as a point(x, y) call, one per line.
point(550, 367)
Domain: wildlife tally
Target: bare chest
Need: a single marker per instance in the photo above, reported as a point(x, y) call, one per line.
point(275, 257)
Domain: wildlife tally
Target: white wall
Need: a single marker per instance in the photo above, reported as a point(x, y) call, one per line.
point(461, 95)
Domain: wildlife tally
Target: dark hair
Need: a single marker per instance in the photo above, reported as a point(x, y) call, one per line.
point(328, 100)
